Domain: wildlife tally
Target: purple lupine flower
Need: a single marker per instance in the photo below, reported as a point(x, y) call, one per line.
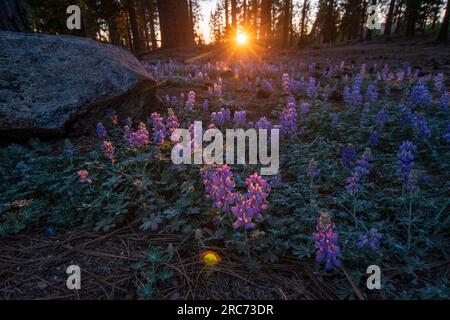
point(159, 129)
point(205, 105)
point(288, 121)
point(406, 115)
point(348, 155)
point(108, 150)
point(447, 134)
point(286, 83)
point(373, 139)
point(83, 177)
point(218, 118)
point(353, 183)
point(326, 243)
point(439, 82)
point(226, 114)
point(218, 88)
point(172, 124)
point(312, 171)
point(362, 71)
point(129, 122)
point(304, 108)
point(251, 205)
point(371, 240)
point(137, 138)
point(347, 95)
point(266, 86)
point(421, 126)
point(101, 131)
point(240, 118)
point(334, 120)
point(263, 123)
point(405, 163)
point(363, 163)
point(371, 93)
point(381, 118)
point(420, 95)
point(219, 186)
point(190, 102)
point(276, 181)
point(444, 101)
point(113, 116)
point(311, 89)
point(365, 113)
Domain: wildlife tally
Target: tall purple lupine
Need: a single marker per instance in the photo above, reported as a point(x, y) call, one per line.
point(326, 243)
point(159, 129)
point(249, 207)
point(172, 123)
point(420, 95)
point(361, 169)
point(439, 82)
point(101, 131)
point(108, 150)
point(311, 89)
point(447, 134)
point(373, 139)
point(263, 123)
point(421, 126)
point(286, 83)
point(218, 118)
point(334, 120)
point(348, 155)
point(240, 118)
point(304, 108)
point(406, 115)
point(138, 138)
point(205, 105)
point(371, 240)
point(371, 93)
point(444, 101)
point(288, 121)
point(190, 102)
point(312, 171)
point(219, 186)
point(405, 164)
point(381, 118)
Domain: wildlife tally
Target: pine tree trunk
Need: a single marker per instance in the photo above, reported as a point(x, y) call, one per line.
point(13, 16)
point(303, 21)
point(151, 21)
point(145, 25)
point(234, 17)
point(389, 18)
point(443, 32)
point(138, 45)
point(227, 19)
point(266, 23)
point(286, 24)
point(175, 24)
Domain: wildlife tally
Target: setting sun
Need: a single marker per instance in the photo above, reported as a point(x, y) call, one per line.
point(241, 38)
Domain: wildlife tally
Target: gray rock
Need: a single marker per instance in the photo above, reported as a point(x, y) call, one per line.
point(48, 84)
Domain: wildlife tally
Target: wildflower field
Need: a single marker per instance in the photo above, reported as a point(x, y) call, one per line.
point(363, 180)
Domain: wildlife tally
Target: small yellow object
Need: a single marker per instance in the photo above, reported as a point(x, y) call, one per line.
point(210, 258)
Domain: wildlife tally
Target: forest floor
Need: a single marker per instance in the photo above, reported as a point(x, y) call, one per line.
point(32, 264)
